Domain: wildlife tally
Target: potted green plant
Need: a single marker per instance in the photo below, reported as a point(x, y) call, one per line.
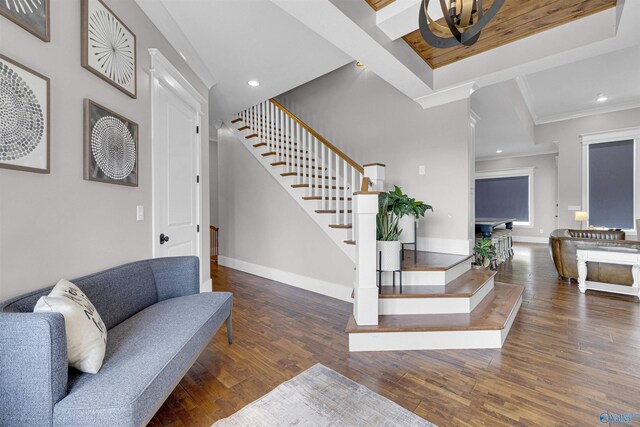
point(484, 252)
point(408, 210)
point(387, 236)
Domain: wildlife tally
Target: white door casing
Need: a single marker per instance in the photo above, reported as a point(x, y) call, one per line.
point(176, 110)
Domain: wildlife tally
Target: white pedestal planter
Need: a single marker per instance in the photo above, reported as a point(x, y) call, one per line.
point(390, 255)
point(408, 226)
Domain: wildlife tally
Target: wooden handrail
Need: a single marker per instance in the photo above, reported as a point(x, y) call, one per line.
point(364, 189)
point(318, 137)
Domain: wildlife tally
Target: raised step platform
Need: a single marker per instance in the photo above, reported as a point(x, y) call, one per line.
point(461, 295)
point(487, 326)
point(429, 268)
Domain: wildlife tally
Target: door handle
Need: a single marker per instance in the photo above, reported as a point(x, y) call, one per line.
point(163, 239)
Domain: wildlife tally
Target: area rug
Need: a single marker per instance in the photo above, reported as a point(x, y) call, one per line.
point(322, 397)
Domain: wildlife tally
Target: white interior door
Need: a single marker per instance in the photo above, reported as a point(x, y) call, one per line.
point(176, 228)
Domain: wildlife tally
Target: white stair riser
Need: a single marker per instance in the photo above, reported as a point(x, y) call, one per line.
point(432, 340)
point(436, 278)
point(391, 306)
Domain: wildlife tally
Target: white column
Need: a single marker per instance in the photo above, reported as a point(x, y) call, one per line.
point(582, 271)
point(375, 173)
point(365, 305)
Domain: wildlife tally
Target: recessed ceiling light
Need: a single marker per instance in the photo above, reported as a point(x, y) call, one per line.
point(253, 83)
point(498, 151)
point(601, 98)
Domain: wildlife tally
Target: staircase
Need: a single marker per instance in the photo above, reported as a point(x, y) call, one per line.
point(314, 172)
point(442, 303)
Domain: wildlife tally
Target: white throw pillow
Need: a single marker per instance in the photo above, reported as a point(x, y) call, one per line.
point(86, 333)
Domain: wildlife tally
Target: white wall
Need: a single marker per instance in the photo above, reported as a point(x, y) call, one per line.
point(545, 185)
point(261, 225)
point(59, 225)
point(372, 122)
point(213, 181)
point(567, 135)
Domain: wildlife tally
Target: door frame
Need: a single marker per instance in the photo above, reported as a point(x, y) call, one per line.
point(164, 72)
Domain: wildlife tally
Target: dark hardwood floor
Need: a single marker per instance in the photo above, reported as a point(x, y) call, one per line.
point(569, 357)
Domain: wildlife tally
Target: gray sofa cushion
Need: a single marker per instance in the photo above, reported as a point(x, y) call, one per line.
point(117, 293)
point(147, 355)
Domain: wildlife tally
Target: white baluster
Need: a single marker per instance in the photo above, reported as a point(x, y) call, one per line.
point(301, 151)
point(322, 178)
point(269, 106)
point(316, 171)
point(345, 192)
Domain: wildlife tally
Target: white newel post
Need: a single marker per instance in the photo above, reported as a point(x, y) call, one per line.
point(365, 305)
point(375, 173)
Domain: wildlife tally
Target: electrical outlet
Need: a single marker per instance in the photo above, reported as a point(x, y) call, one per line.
point(139, 213)
point(541, 231)
point(421, 170)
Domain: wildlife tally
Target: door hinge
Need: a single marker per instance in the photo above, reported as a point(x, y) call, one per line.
point(197, 228)
point(198, 179)
point(197, 129)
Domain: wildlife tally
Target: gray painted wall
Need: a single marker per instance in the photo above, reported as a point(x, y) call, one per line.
point(213, 182)
point(261, 224)
point(372, 122)
point(59, 225)
point(567, 135)
point(545, 190)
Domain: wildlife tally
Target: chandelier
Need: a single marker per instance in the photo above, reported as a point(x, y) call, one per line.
point(464, 18)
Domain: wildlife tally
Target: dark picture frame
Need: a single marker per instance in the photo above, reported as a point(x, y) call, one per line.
point(29, 16)
point(110, 146)
point(98, 48)
point(35, 114)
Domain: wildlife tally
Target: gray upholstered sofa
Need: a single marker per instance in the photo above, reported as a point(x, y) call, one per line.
point(157, 325)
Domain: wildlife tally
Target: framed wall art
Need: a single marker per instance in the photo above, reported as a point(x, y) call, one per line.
point(24, 118)
point(32, 15)
point(110, 146)
point(108, 47)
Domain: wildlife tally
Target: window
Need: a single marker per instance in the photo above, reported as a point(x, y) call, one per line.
point(505, 194)
point(610, 185)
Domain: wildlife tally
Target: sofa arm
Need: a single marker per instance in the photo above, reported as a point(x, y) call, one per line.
point(176, 276)
point(33, 367)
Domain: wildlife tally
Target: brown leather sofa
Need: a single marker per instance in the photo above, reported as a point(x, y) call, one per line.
point(563, 244)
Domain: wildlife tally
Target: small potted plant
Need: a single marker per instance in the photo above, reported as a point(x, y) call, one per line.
point(387, 236)
point(484, 252)
point(408, 209)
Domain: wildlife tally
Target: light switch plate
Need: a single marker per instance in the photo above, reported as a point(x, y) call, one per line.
point(421, 170)
point(140, 213)
point(573, 208)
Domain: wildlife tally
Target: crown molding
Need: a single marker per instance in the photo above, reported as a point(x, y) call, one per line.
point(445, 96)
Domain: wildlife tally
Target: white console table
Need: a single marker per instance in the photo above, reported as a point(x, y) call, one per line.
point(624, 256)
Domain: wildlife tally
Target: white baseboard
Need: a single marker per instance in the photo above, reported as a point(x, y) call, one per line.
point(530, 239)
point(334, 290)
point(206, 286)
point(445, 246)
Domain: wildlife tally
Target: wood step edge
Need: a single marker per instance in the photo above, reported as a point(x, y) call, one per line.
point(408, 265)
point(350, 242)
point(306, 175)
point(509, 295)
point(445, 293)
point(320, 198)
point(341, 226)
point(331, 211)
point(236, 120)
point(326, 187)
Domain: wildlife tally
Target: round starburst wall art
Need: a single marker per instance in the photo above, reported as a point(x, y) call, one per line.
point(108, 46)
point(111, 146)
point(24, 118)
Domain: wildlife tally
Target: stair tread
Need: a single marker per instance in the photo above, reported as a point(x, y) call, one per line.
point(305, 174)
point(236, 120)
point(331, 211)
point(345, 226)
point(281, 163)
point(464, 286)
point(431, 261)
point(492, 313)
point(273, 153)
point(320, 198)
point(315, 186)
point(350, 242)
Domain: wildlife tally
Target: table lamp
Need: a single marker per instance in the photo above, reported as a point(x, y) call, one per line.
point(581, 217)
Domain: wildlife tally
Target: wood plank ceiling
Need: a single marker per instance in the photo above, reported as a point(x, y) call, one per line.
point(516, 20)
